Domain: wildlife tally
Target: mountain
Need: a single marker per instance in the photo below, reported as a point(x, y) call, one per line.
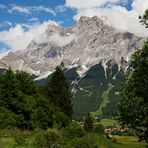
point(94, 57)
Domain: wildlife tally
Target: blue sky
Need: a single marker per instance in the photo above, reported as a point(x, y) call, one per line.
point(19, 18)
point(16, 17)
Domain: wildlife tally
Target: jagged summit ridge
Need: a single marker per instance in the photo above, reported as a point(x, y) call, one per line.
point(89, 42)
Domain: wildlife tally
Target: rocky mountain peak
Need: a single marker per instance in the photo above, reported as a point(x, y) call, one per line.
point(53, 29)
point(89, 42)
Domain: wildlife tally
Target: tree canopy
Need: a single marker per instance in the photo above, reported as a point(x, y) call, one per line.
point(133, 108)
point(22, 106)
point(58, 92)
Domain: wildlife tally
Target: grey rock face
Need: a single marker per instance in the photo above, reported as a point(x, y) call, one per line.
point(90, 41)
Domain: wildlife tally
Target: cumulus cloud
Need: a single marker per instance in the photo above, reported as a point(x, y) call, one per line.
point(18, 37)
point(118, 16)
point(83, 4)
point(29, 10)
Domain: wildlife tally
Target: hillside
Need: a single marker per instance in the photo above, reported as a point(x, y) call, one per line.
point(93, 55)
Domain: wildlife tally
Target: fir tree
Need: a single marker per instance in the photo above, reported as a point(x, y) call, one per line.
point(89, 122)
point(58, 91)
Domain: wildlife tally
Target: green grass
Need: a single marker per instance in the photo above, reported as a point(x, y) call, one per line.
point(109, 122)
point(7, 142)
point(89, 139)
point(104, 102)
point(129, 142)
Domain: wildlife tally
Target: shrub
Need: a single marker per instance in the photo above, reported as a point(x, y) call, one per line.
point(73, 130)
point(99, 128)
point(60, 119)
point(49, 138)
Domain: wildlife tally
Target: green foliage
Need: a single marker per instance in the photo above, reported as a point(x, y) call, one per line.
point(50, 138)
point(144, 19)
point(14, 97)
point(99, 128)
point(42, 114)
point(93, 141)
point(134, 106)
point(7, 118)
point(73, 130)
point(58, 91)
point(60, 119)
point(22, 106)
point(89, 122)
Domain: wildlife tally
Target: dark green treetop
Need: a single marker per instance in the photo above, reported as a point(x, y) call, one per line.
point(89, 122)
point(58, 91)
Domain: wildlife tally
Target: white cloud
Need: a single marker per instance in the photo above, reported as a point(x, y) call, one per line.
point(83, 4)
point(118, 16)
point(42, 8)
point(60, 8)
point(29, 10)
point(2, 6)
point(17, 38)
point(33, 19)
point(59, 40)
point(19, 9)
point(5, 23)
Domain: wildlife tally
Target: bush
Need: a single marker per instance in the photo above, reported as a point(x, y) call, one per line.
point(99, 129)
point(49, 138)
point(83, 143)
point(60, 119)
point(73, 130)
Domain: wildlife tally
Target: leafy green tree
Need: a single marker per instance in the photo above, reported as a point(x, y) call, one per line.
point(58, 91)
point(133, 108)
point(144, 19)
point(89, 122)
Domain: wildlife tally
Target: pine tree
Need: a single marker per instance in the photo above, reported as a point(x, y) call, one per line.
point(58, 91)
point(89, 122)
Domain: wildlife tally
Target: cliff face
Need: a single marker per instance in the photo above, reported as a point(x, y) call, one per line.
point(90, 41)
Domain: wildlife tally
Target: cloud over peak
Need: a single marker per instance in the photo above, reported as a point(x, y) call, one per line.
point(118, 15)
point(18, 37)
